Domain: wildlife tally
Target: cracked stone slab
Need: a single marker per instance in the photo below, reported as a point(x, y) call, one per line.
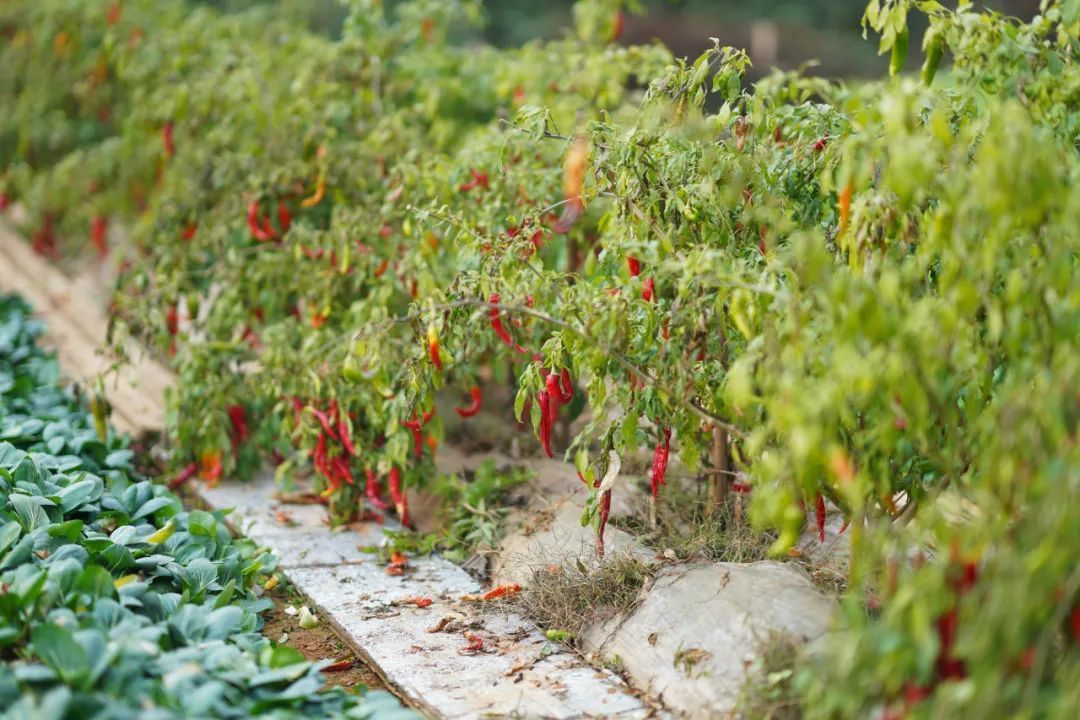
point(519, 674)
point(690, 640)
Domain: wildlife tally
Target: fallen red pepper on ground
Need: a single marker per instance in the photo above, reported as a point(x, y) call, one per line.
point(183, 476)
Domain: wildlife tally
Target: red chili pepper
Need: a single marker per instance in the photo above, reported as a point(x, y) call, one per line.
point(373, 491)
point(318, 456)
point(418, 436)
point(262, 234)
point(617, 28)
point(324, 420)
point(343, 432)
point(172, 320)
point(113, 15)
point(479, 179)
point(186, 474)
point(341, 469)
point(660, 463)
point(821, 143)
point(167, 139)
point(496, 319)
point(433, 347)
point(401, 500)
point(844, 526)
point(240, 431)
point(545, 422)
point(339, 666)
point(551, 385)
point(473, 407)
point(476, 643)
point(634, 265)
point(4, 202)
point(821, 518)
point(44, 243)
point(188, 232)
point(98, 229)
point(284, 217)
point(648, 290)
point(566, 387)
point(1074, 625)
point(740, 487)
point(501, 591)
point(605, 511)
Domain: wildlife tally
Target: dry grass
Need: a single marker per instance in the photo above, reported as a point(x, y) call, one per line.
point(568, 596)
point(685, 525)
point(768, 691)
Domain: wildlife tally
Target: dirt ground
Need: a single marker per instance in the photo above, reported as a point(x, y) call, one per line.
point(318, 643)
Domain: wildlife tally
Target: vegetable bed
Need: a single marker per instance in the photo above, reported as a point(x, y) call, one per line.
point(809, 296)
point(115, 601)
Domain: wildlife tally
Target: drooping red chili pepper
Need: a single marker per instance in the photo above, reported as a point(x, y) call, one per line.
point(184, 475)
point(167, 139)
point(821, 143)
point(844, 527)
point(259, 233)
point(189, 231)
point(495, 314)
point(343, 430)
point(113, 15)
point(634, 265)
point(172, 320)
point(318, 455)
point(340, 466)
point(373, 490)
point(617, 27)
point(566, 386)
point(545, 422)
point(660, 463)
point(240, 431)
point(397, 494)
point(551, 385)
point(418, 436)
point(324, 420)
point(605, 512)
point(433, 348)
point(820, 516)
point(98, 228)
point(44, 242)
point(479, 180)
point(473, 407)
point(649, 290)
point(284, 217)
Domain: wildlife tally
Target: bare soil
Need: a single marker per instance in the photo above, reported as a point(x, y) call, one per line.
point(318, 643)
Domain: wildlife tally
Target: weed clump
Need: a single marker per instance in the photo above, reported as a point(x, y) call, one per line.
point(567, 597)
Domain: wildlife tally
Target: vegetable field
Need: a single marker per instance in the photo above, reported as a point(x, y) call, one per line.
point(747, 308)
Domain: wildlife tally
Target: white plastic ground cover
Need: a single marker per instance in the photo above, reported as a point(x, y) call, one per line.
point(519, 673)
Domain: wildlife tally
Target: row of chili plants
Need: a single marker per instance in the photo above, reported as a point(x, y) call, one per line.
point(805, 291)
point(114, 600)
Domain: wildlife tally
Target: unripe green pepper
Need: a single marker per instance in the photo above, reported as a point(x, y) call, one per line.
point(934, 47)
point(899, 53)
